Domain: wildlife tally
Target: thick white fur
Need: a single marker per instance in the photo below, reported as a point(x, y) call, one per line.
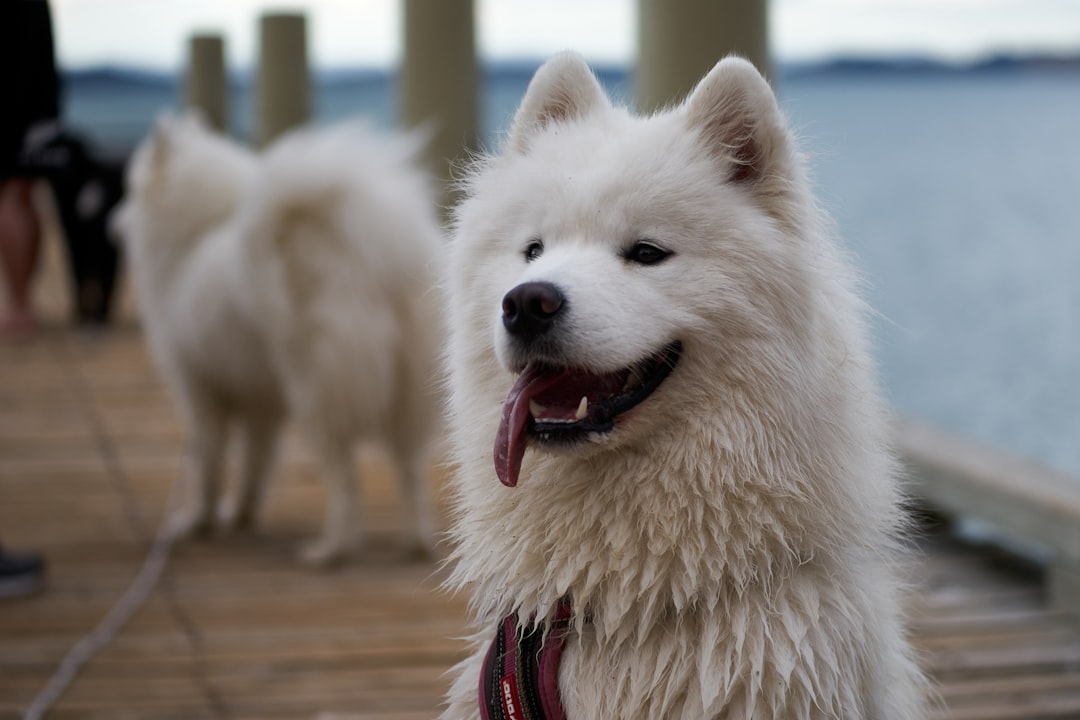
point(293, 284)
point(734, 541)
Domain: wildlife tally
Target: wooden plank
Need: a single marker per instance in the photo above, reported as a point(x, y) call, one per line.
point(240, 629)
point(1020, 497)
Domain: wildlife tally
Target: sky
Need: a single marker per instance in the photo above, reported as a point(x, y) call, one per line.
point(349, 33)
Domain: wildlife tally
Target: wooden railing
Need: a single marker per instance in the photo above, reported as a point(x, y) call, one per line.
point(1021, 499)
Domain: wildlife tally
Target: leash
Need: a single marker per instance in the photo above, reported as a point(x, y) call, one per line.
point(106, 631)
point(520, 677)
point(145, 582)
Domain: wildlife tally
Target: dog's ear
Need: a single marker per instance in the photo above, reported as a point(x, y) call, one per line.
point(118, 222)
point(740, 122)
point(562, 89)
point(163, 127)
point(194, 118)
point(161, 137)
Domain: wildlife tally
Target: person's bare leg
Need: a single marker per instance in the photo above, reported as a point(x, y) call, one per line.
point(20, 238)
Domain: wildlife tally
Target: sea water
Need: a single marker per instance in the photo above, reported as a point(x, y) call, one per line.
point(960, 197)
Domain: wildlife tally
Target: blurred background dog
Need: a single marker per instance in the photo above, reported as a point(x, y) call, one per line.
point(292, 283)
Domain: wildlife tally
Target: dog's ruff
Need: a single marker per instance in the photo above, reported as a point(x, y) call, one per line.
point(730, 529)
point(297, 283)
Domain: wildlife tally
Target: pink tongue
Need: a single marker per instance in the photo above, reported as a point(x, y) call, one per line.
point(511, 439)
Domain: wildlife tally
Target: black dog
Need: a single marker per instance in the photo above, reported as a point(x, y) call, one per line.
point(86, 187)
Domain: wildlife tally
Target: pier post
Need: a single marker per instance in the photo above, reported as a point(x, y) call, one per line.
point(206, 86)
point(283, 89)
point(438, 82)
point(1063, 584)
point(680, 40)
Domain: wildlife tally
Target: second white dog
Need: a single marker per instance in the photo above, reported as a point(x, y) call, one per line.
point(295, 284)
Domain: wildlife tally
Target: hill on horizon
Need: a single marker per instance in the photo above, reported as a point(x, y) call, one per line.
point(108, 74)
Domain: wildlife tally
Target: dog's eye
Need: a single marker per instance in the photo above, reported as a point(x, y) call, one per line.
point(533, 250)
point(645, 253)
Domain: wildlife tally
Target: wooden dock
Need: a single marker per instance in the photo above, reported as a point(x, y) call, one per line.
point(237, 629)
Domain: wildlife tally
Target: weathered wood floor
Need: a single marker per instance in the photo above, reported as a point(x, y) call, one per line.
point(88, 448)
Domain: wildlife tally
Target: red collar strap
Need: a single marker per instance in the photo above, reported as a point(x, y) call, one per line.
point(520, 678)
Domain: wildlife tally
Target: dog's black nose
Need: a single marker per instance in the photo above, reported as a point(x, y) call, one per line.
point(529, 310)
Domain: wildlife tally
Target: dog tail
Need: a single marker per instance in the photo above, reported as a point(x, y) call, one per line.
point(342, 210)
point(340, 244)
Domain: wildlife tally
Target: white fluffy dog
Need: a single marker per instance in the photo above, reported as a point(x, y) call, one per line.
point(292, 284)
point(698, 505)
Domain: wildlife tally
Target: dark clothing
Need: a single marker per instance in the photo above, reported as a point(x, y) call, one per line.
point(29, 82)
point(33, 143)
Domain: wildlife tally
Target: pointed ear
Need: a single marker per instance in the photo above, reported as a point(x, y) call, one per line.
point(736, 113)
point(161, 137)
point(163, 126)
point(194, 117)
point(562, 89)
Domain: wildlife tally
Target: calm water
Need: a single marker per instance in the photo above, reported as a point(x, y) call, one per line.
point(960, 197)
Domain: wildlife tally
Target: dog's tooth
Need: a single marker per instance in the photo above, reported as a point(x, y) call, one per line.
point(582, 408)
point(536, 409)
point(633, 379)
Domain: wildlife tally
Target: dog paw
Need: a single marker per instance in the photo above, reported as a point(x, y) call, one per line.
point(190, 524)
point(324, 553)
point(418, 549)
point(234, 518)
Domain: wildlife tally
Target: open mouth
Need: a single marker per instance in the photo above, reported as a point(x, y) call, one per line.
point(563, 406)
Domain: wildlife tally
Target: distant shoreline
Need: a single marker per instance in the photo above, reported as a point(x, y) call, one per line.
point(840, 66)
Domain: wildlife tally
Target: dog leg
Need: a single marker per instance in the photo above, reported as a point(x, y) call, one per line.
point(418, 513)
point(260, 439)
point(207, 452)
point(340, 526)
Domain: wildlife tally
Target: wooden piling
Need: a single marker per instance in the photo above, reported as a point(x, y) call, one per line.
point(207, 87)
point(1063, 584)
point(438, 83)
point(283, 88)
point(680, 40)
